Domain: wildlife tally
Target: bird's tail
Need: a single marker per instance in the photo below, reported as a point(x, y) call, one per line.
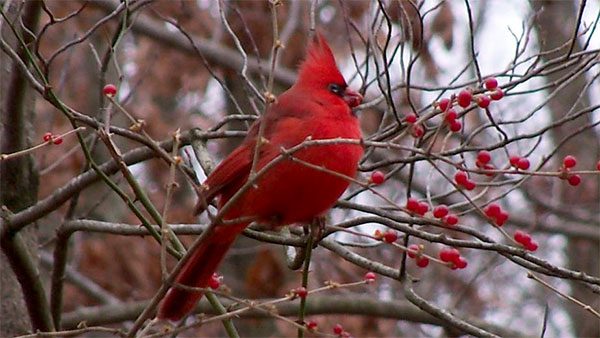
point(197, 272)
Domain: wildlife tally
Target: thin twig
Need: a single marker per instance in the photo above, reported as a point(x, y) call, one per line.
point(564, 295)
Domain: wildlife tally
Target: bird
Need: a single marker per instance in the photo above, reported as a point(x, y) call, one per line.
point(297, 188)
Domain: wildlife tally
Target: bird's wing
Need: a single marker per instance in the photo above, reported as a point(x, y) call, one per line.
point(234, 167)
point(237, 165)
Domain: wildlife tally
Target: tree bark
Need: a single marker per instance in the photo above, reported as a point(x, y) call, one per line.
point(555, 22)
point(19, 180)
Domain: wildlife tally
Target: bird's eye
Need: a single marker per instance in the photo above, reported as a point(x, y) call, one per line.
point(336, 89)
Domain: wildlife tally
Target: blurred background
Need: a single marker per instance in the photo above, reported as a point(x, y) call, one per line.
point(179, 65)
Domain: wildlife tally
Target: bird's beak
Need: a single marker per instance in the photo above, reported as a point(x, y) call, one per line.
point(352, 98)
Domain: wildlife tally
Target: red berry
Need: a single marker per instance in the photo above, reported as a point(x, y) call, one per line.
point(109, 90)
point(449, 255)
point(440, 211)
point(311, 325)
point(338, 329)
point(569, 161)
point(370, 277)
point(417, 131)
point(501, 218)
point(522, 237)
point(422, 262)
point(47, 136)
point(484, 157)
point(214, 281)
point(443, 104)
point(470, 185)
point(497, 94)
point(450, 116)
point(412, 204)
point(574, 180)
point(493, 210)
point(514, 160)
point(58, 140)
point(464, 98)
point(489, 167)
point(413, 250)
point(532, 246)
point(451, 219)
point(377, 177)
point(410, 118)
point(300, 292)
point(390, 236)
point(490, 83)
point(461, 178)
point(455, 126)
point(423, 208)
point(460, 263)
point(483, 101)
point(523, 163)
point(213, 284)
point(598, 166)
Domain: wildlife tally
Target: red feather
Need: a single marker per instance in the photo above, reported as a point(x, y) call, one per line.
point(319, 105)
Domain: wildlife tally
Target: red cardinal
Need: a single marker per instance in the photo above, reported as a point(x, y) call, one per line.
point(318, 106)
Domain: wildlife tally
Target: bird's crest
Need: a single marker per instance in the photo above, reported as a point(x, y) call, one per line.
point(319, 65)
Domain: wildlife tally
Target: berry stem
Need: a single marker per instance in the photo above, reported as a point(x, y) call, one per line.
point(305, 271)
point(544, 283)
point(23, 152)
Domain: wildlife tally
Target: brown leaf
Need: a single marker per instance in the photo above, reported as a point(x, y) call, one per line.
point(443, 23)
point(265, 276)
point(406, 13)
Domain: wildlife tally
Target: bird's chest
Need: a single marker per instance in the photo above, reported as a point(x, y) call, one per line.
point(307, 182)
point(324, 145)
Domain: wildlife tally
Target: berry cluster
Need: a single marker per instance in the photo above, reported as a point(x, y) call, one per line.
point(496, 92)
point(464, 99)
point(462, 179)
point(453, 257)
point(519, 162)
point(525, 240)
point(388, 236)
point(416, 129)
point(416, 251)
point(570, 162)
point(52, 139)
point(450, 115)
point(442, 212)
point(483, 161)
point(417, 207)
point(496, 213)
